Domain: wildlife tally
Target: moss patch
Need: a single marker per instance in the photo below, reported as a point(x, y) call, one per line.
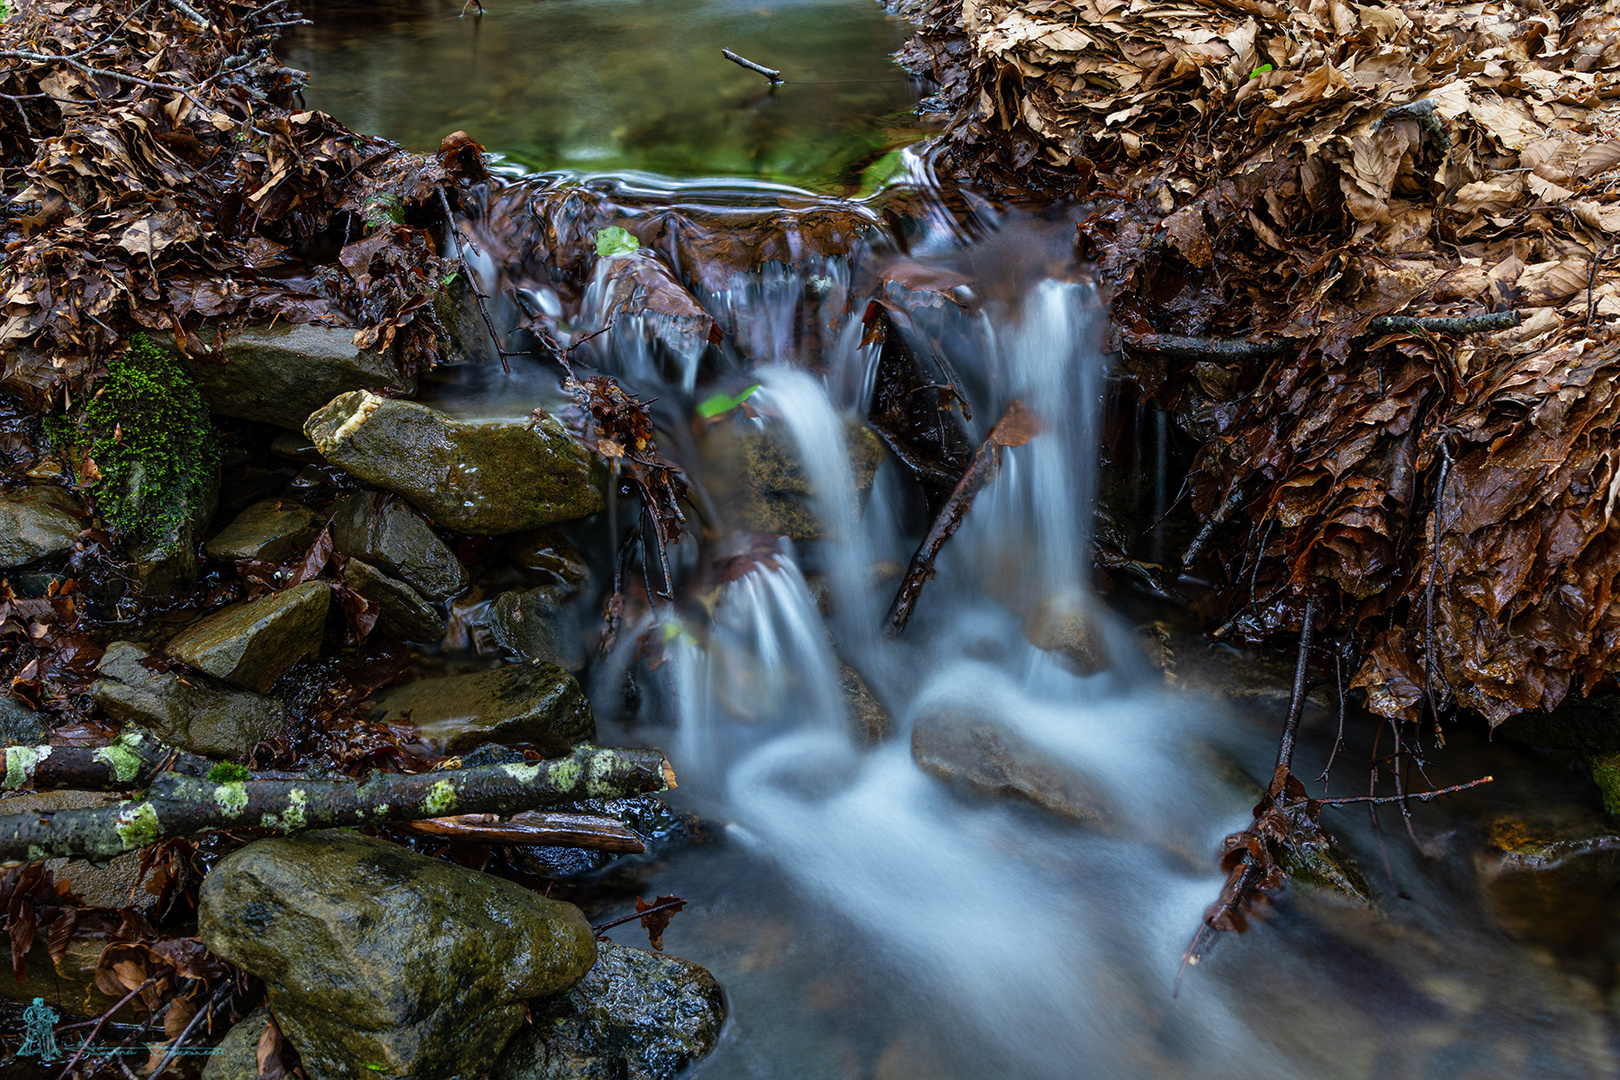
point(143, 443)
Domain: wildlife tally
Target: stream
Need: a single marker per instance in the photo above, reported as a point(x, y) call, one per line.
point(866, 919)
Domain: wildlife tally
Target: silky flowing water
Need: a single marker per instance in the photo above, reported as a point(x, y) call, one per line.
point(866, 919)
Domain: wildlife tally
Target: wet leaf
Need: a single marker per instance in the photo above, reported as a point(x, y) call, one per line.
point(615, 240)
point(716, 404)
point(658, 921)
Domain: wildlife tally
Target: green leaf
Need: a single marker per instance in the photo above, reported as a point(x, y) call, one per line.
point(1261, 70)
point(615, 241)
point(710, 407)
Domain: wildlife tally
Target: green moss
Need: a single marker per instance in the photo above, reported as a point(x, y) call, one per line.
point(144, 441)
point(228, 773)
point(1606, 771)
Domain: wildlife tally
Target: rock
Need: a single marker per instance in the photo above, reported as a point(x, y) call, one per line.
point(545, 551)
point(1064, 626)
point(872, 723)
point(392, 537)
point(237, 1055)
point(165, 563)
point(536, 703)
point(401, 613)
point(636, 1015)
point(38, 523)
point(196, 713)
point(283, 373)
point(382, 961)
point(1589, 723)
point(478, 477)
point(1552, 881)
point(1606, 774)
point(254, 643)
point(295, 446)
point(538, 624)
point(272, 530)
point(19, 725)
point(988, 759)
point(769, 491)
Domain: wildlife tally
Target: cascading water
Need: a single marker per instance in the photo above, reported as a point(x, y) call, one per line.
point(868, 919)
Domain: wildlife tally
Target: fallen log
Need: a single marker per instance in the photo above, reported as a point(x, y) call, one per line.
point(1458, 324)
point(183, 806)
point(537, 827)
point(1015, 428)
point(128, 763)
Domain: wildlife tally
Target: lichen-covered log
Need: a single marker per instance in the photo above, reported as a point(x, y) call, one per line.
point(126, 764)
point(182, 805)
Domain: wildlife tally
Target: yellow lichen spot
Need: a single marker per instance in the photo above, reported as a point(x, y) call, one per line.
point(137, 825)
point(293, 818)
point(232, 798)
point(441, 798)
point(523, 774)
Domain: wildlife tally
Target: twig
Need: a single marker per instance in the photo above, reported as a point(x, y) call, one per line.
point(1296, 703)
point(1428, 588)
point(196, 17)
point(1591, 281)
point(742, 61)
point(50, 58)
point(185, 1033)
point(1234, 499)
point(597, 929)
point(1420, 796)
point(1181, 347)
point(1338, 741)
point(67, 1070)
point(589, 336)
point(1013, 429)
point(1460, 324)
point(453, 233)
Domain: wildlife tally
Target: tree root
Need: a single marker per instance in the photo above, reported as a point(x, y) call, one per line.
point(182, 805)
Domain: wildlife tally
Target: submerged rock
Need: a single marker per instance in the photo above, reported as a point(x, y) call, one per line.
point(1552, 882)
point(38, 523)
point(254, 643)
point(392, 537)
point(769, 490)
point(196, 713)
point(237, 1055)
point(988, 758)
point(484, 477)
point(380, 961)
point(1064, 626)
point(285, 372)
point(872, 723)
point(538, 624)
point(546, 551)
point(536, 703)
point(401, 613)
point(636, 1015)
point(272, 530)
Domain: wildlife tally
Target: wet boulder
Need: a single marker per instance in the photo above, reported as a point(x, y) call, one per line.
point(1064, 626)
point(1550, 879)
point(548, 552)
point(476, 477)
point(989, 758)
point(38, 523)
point(636, 1015)
point(253, 644)
point(538, 624)
point(871, 721)
point(237, 1055)
point(401, 613)
point(271, 530)
point(388, 534)
point(767, 488)
point(285, 372)
point(19, 725)
point(380, 961)
point(535, 703)
point(196, 713)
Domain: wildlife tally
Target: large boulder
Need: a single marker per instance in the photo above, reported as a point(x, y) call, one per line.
point(636, 1015)
point(271, 530)
point(254, 643)
point(765, 487)
point(195, 713)
point(285, 372)
point(401, 613)
point(535, 703)
point(237, 1055)
point(476, 477)
point(538, 624)
point(392, 537)
point(38, 523)
point(380, 961)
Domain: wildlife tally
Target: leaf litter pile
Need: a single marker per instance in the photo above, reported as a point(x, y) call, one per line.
point(1285, 198)
point(159, 177)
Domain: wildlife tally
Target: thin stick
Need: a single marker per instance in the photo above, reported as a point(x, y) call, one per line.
point(1420, 796)
point(631, 918)
point(67, 1069)
point(742, 61)
point(1461, 324)
point(185, 1033)
point(1296, 704)
point(196, 17)
point(453, 234)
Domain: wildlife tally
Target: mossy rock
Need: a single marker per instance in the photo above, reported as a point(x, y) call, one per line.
point(144, 444)
point(535, 703)
point(383, 962)
point(253, 644)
